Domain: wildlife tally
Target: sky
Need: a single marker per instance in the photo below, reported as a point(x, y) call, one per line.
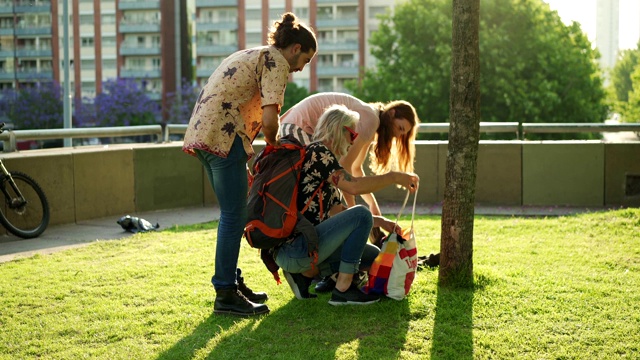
point(584, 12)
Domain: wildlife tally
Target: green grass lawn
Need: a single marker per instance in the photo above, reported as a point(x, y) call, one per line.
point(546, 288)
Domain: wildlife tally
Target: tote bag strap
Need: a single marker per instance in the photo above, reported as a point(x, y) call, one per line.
point(404, 204)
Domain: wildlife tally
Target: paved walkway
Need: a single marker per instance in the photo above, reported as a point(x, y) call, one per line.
point(61, 237)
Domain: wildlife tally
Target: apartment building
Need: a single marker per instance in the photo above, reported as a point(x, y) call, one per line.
point(26, 42)
point(141, 39)
point(607, 31)
point(343, 28)
point(152, 40)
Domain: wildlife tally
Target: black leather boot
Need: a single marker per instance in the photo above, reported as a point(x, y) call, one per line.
point(256, 297)
point(232, 302)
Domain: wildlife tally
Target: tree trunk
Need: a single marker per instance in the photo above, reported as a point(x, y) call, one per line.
point(456, 238)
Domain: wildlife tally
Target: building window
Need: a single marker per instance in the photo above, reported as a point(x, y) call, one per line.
point(87, 41)
point(325, 60)
point(135, 63)
point(276, 13)
point(325, 36)
point(108, 19)
point(88, 64)
point(108, 40)
point(374, 11)
point(325, 13)
point(254, 38)
point(253, 14)
point(86, 19)
point(325, 85)
point(301, 12)
point(348, 36)
point(347, 60)
point(347, 12)
point(109, 63)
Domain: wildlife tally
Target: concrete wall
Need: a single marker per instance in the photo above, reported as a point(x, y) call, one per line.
point(93, 182)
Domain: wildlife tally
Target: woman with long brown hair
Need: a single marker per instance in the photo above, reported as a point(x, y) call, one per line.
point(387, 132)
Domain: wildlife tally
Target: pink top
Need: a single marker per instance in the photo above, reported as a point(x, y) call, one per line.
point(231, 101)
point(305, 114)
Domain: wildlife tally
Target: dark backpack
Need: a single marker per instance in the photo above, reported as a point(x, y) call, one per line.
point(272, 205)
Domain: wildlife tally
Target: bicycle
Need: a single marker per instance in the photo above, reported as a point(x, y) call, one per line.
point(24, 209)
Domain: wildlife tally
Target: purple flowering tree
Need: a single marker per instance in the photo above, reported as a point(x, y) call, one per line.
point(84, 113)
point(123, 102)
point(181, 108)
point(34, 107)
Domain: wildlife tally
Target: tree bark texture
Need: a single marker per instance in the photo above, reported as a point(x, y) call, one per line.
point(456, 238)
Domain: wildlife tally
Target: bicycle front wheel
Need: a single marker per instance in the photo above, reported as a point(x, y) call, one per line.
point(26, 219)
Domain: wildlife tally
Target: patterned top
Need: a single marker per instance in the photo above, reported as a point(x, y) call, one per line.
point(319, 164)
point(231, 101)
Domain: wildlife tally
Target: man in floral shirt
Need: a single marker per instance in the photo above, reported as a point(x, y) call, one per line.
point(242, 97)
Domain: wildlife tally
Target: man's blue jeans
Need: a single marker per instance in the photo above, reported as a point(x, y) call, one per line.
point(228, 178)
point(343, 245)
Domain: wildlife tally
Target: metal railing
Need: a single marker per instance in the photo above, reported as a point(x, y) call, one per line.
point(10, 137)
point(485, 127)
point(174, 129)
point(549, 128)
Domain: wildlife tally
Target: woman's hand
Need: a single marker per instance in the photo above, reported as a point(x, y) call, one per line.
point(386, 224)
point(409, 181)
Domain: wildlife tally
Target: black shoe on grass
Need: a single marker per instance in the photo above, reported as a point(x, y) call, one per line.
point(353, 296)
point(325, 285)
point(299, 284)
point(256, 297)
point(232, 302)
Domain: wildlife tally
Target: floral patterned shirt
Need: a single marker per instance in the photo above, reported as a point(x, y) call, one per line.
point(319, 165)
point(231, 101)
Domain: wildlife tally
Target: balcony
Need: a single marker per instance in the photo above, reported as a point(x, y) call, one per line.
point(34, 74)
point(349, 70)
point(32, 7)
point(6, 52)
point(204, 71)
point(203, 49)
point(138, 4)
point(342, 21)
point(140, 73)
point(35, 29)
point(214, 25)
point(32, 51)
point(140, 27)
point(7, 74)
point(134, 49)
point(338, 45)
point(216, 3)
point(6, 8)
point(331, 2)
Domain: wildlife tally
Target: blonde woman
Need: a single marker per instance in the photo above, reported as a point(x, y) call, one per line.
point(343, 247)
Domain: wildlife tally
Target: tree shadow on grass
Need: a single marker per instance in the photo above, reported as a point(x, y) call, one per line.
point(302, 330)
point(189, 345)
point(453, 324)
